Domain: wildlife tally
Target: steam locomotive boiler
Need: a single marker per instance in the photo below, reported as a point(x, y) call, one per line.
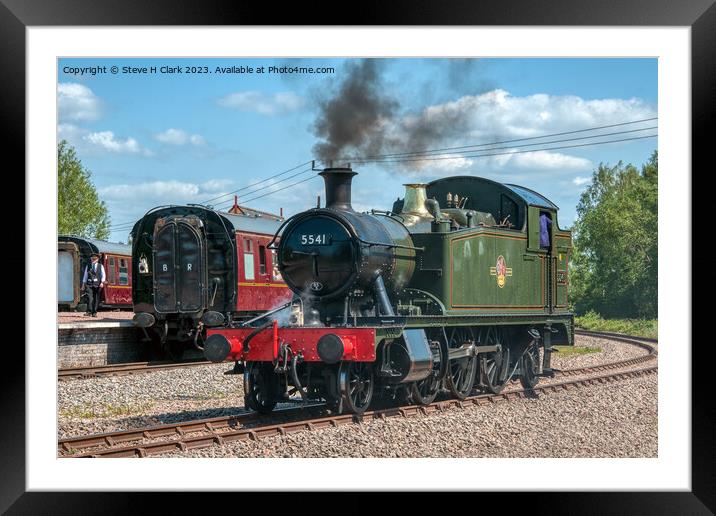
point(425, 298)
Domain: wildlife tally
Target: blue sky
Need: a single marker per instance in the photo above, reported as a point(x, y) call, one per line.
point(161, 138)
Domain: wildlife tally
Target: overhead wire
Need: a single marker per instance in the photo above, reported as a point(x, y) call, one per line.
point(563, 140)
point(563, 133)
point(230, 202)
point(258, 182)
point(462, 156)
point(129, 224)
point(517, 151)
point(445, 153)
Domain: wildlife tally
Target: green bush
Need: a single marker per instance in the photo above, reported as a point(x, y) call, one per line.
point(637, 327)
point(615, 260)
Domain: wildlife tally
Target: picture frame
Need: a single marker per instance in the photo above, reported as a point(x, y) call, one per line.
point(16, 16)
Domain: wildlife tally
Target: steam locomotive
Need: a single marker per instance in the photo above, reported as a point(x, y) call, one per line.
point(194, 268)
point(407, 303)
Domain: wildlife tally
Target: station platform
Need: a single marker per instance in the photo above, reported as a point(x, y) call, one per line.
point(109, 319)
point(109, 338)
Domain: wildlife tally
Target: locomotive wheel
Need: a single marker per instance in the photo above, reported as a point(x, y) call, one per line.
point(425, 391)
point(530, 366)
point(461, 375)
point(261, 387)
point(355, 383)
point(494, 365)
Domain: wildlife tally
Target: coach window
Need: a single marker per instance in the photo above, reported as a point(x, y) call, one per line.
point(262, 259)
point(112, 278)
point(276, 274)
point(248, 259)
point(123, 275)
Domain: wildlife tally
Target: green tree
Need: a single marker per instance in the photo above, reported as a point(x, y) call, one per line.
point(79, 209)
point(615, 262)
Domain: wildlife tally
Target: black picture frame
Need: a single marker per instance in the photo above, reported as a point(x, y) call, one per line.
point(17, 15)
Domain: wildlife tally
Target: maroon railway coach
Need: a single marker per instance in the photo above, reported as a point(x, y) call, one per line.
point(196, 268)
point(73, 255)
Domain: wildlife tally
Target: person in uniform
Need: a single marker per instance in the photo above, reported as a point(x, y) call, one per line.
point(93, 281)
point(545, 230)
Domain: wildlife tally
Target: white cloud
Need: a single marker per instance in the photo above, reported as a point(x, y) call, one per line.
point(501, 114)
point(99, 142)
point(259, 102)
point(216, 185)
point(448, 165)
point(164, 192)
point(78, 103)
point(179, 137)
point(579, 181)
point(549, 160)
point(106, 140)
point(498, 116)
point(70, 132)
point(441, 167)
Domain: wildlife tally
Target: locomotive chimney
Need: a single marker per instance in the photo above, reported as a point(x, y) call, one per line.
point(338, 187)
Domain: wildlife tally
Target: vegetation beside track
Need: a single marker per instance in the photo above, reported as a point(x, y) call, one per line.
point(577, 350)
point(105, 410)
point(636, 327)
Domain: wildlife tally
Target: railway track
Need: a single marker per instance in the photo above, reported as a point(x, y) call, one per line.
point(124, 369)
point(615, 336)
point(148, 367)
point(250, 425)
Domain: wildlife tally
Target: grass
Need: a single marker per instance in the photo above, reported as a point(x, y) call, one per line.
point(576, 350)
point(636, 327)
point(213, 395)
point(87, 411)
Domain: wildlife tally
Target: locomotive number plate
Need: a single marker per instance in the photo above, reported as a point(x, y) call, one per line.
point(561, 277)
point(321, 239)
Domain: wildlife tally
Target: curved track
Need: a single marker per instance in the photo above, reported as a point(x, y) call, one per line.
point(250, 425)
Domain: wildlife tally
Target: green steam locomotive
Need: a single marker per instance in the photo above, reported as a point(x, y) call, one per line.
point(463, 285)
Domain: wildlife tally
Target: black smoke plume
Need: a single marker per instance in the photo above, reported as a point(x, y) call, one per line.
point(352, 119)
point(359, 119)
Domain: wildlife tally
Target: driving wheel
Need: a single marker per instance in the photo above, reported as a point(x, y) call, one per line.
point(461, 374)
point(494, 365)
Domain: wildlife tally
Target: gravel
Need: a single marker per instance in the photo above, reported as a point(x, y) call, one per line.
point(615, 420)
point(611, 351)
point(111, 403)
point(106, 404)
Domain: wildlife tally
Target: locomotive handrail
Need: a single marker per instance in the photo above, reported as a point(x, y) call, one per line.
point(389, 214)
point(271, 245)
point(266, 314)
point(371, 244)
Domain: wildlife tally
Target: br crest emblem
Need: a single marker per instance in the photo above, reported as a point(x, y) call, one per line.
point(501, 270)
